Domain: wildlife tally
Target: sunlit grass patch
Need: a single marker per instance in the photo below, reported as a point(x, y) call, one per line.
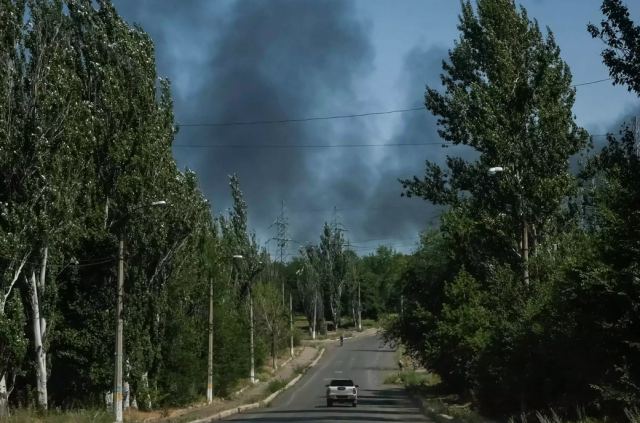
point(413, 379)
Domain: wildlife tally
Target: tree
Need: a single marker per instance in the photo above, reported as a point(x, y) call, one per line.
point(622, 37)
point(272, 313)
point(309, 287)
point(508, 96)
point(333, 271)
point(614, 172)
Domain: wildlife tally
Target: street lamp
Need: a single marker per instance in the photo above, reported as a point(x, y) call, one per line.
point(210, 355)
point(312, 329)
point(117, 403)
point(252, 372)
point(525, 226)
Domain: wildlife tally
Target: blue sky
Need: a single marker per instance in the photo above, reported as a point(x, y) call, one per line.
point(397, 26)
point(275, 59)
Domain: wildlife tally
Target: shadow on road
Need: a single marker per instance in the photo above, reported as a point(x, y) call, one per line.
point(374, 405)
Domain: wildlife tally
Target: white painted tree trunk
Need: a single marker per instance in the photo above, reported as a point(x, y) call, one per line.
point(353, 313)
point(4, 398)
point(39, 325)
point(145, 385)
point(273, 351)
point(334, 313)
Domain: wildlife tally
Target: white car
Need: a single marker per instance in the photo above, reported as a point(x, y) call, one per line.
point(342, 390)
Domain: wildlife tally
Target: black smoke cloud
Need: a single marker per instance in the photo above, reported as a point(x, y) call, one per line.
point(278, 59)
point(421, 68)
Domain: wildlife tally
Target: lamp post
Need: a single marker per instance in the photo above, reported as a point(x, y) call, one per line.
point(315, 306)
point(117, 402)
point(525, 225)
point(291, 324)
point(252, 371)
point(210, 354)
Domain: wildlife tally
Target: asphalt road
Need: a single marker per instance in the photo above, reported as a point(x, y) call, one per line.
point(365, 360)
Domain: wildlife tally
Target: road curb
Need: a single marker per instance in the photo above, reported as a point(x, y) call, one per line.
point(263, 403)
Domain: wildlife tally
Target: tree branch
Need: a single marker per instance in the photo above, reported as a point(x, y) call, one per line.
point(16, 276)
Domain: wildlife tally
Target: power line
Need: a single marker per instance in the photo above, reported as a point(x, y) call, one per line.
point(296, 120)
point(316, 118)
point(591, 82)
point(285, 146)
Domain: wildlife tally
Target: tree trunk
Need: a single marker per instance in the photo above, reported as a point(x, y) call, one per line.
point(4, 397)
point(145, 387)
point(39, 327)
point(353, 313)
point(273, 351)
point(525, 252)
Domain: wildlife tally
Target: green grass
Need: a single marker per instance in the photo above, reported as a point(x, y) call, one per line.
point(444, 407)
point(413, 380)
point(79, 416)
point(435, 403)
point(276, 385)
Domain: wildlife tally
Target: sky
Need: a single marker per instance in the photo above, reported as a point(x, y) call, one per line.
point(254, 60)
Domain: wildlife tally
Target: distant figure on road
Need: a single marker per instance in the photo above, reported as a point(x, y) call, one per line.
point(400, 365)
point(341, 340)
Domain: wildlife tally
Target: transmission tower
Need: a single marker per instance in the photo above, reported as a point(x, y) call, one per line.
point(281, 224)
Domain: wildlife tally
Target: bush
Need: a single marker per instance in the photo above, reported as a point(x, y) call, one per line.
point(275, 385)
point(413, 380)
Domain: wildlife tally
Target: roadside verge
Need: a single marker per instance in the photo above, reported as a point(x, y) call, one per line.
point(262, 403)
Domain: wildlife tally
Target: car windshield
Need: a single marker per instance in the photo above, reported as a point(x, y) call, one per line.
point(342, 382)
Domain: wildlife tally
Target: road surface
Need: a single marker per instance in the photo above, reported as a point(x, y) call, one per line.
point(365, 360)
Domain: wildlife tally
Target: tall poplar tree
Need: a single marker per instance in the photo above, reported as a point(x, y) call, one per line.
point(507, 95)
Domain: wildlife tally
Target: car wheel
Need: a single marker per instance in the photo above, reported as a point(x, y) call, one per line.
point(329, 403)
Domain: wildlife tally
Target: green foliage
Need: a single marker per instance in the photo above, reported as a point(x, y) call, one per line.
point(13, 340)
point(568, 337)
point(622, 36)
point(381, 274)
point(275, 385)
point(413, 380)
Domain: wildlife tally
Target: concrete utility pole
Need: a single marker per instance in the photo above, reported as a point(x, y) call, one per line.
point(359, 309)
point(210, 357)
point(117, 389)
point(291, 324)
point(315, 314)
point(252, 372)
